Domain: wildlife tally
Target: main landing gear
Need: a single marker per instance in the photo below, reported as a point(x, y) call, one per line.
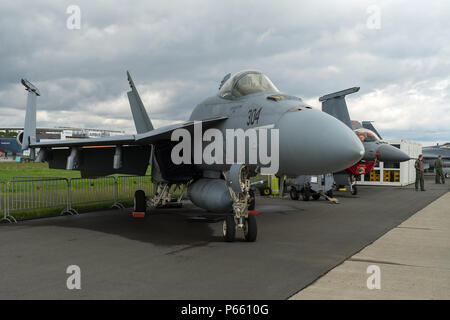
point(163, 197)
point(239, 187)
point(353, 188)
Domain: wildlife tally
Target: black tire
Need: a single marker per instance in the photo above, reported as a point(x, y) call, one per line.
point(316, 196)
point(447, 175)
point(305, 195)
point(329, 193)
point(250, 228)
point(293, 194)
point(140, 204)
point(354, 190)
point(229, 228)
point(267, 191)
point(252, 202)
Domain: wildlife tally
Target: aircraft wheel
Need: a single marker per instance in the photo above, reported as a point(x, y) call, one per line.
point(329, 193)
point(267, 191)
point(293, 194)
point(354, 190)
point(250, 228)
point(252, 202)
point(229, 228)
point(305, 195)
point(447, 175)
point(316, 196)
point(139, 201)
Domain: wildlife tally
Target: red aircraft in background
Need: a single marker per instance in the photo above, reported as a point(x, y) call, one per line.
point(375, 148)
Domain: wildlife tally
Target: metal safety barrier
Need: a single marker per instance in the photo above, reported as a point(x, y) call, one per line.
point(94, 190)
point(27, 194)
point(127, 186)
point(2, 201)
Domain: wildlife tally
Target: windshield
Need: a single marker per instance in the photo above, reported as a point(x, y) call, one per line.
point(366, 135)
point(244, 83)
point(252, 83)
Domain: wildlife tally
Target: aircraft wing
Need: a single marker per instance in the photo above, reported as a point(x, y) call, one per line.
point(124, 154)
point(113, 140)
point(160, 134)
point(164, 133)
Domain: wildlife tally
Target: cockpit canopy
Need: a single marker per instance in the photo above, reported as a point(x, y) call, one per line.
point(244, 83)
point(366, 135)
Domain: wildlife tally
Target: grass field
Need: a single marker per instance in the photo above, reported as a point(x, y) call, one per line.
point(9, 170)
point(28, 200)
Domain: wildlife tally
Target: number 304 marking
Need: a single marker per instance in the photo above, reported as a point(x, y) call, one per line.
point(253, 116)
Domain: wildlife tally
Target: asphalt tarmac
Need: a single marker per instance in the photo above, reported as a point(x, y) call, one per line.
point(167, 256)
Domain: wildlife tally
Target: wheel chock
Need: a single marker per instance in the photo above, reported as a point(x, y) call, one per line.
point(333, 200)
point(253, 211)
point(138, 214)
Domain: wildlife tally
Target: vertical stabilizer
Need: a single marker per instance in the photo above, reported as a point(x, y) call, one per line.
point(141, 120)
point(29, 132)
point(369, 125)
point(334, 104)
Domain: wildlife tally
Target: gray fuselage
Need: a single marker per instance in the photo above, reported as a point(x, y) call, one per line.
point(310, 141)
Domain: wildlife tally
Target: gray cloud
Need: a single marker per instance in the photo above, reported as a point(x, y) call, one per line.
point(178, 51)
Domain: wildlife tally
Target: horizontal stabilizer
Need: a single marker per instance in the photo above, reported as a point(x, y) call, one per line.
point(334, 104)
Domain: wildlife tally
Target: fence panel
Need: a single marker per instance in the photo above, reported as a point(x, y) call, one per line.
point(93, 190)
point(2, 200)
point(128, 185)
point(31, 194)
point(28, 193)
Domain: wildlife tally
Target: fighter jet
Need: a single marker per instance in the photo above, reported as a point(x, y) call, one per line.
point(300, 139)
point(375, 148)
point(431, 153)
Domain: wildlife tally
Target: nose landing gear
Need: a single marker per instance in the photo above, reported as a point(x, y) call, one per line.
point(239, 187)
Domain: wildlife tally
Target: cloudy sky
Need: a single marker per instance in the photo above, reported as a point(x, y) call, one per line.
point(398, 52)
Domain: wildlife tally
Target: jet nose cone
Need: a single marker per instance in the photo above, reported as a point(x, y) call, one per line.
point(313, 142)
point(389, 153)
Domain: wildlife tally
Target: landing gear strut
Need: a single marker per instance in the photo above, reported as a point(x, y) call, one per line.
point(163, 197)
point(239, 187)
point(353, 188)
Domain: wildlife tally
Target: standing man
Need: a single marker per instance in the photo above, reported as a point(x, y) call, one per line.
point(438, 168)
point(419, 173)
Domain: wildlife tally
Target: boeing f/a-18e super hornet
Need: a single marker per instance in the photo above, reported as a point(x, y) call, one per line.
point(374, 148)
point(300, 140)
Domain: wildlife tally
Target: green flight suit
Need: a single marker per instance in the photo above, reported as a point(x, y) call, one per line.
point(439, 173)
point(419, 175)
